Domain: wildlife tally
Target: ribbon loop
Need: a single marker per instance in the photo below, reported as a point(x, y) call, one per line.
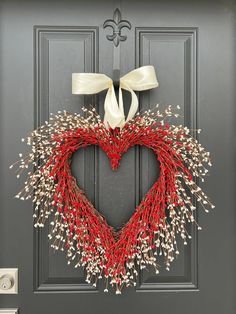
point(90, 83)
point(140, 79)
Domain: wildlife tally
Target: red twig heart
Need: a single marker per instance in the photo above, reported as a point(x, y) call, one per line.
point(90, 241)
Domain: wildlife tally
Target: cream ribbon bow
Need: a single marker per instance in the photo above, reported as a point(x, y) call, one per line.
point(140, 79)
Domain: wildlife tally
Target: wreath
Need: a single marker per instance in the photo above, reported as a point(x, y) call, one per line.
point(162, 215)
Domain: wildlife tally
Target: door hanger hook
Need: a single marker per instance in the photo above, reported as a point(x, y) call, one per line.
point(116, 24)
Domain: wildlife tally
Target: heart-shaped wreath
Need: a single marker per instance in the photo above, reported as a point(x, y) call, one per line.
point(162, 214)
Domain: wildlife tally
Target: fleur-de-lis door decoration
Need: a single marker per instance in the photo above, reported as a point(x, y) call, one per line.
point(117, 24)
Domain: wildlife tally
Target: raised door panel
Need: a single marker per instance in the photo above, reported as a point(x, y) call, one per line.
point(173, 53)
point(60, 51)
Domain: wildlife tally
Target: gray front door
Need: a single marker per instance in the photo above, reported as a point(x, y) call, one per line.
point(192, 46)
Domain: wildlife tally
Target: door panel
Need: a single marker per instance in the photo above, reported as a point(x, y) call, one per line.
point(192, 47)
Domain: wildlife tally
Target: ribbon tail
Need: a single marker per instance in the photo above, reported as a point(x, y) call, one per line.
point(113, 115)
point(121, 108)
point(133, 106)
